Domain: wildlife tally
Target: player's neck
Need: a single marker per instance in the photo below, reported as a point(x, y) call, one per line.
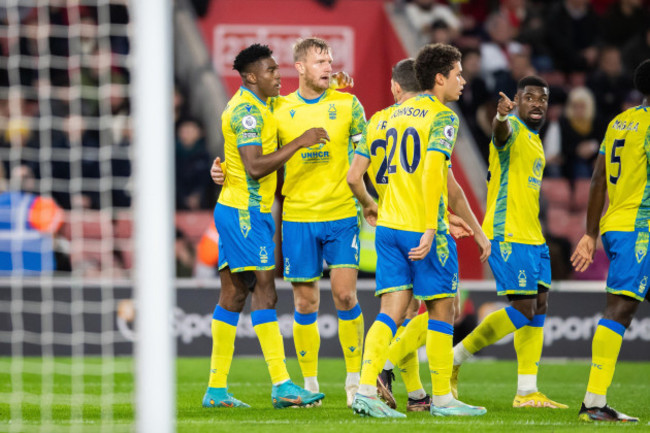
point(256, 91)
point(406, 96)
point(438, 94)
point(309, 93)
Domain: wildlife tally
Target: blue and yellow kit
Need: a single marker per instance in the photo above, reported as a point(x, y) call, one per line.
point(625, 226)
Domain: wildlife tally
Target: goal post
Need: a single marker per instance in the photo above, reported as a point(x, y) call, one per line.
point(154, 209)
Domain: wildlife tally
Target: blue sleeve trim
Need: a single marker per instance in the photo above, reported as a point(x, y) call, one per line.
point(612, 325)
point(448, 155)
point(260, 317)
point(406, 322)
point(349, 314)
point(538, 321)
point(517, 318)
point(223, 315)
point(601, 152)
point(365, 155)
point(386, 320)
point(305, 319)
point(442, 327)
point(249, 144)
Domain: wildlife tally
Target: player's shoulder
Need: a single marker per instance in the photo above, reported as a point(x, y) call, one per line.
point(635, 119)
point(382, 114)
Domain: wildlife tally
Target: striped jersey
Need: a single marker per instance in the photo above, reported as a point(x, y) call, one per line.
point(626, 147)
point(514, 181)
point(247, 121)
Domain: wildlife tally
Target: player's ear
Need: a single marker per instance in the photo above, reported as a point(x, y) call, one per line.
point(440, 79)
point(300, 67)
point(516, 98)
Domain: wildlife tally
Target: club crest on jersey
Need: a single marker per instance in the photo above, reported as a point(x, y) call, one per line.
point(249, 121)
point(641, 246)
point(332, 112)
point(292, 112)
point(506, 250)
point(522, 278)
point(264, 257)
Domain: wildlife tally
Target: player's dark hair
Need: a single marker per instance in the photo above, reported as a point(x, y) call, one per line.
point(532, 80)
point(404, 74)
point(302, 47)
point(250, 55)
point(435, 59)
point(642, 78)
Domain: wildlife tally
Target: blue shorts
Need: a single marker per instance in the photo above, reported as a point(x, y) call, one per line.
point(245, 239)
point(305, 245)
point(436, 276)
point(628, 256)
point(520, 268)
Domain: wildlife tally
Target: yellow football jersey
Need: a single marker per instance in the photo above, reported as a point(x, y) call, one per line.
point(373, 147)
point(626, 147)
point(514, 181)
point(315, 187)
point(247, 121)
point(420, 125)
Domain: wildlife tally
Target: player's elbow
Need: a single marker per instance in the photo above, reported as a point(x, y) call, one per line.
point(353, 178)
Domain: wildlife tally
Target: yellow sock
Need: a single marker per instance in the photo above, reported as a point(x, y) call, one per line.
point(440, 351)
point(604, 353)
point(410, 371)
point(411, 339)
point(529, 341)
point(224, 327)
point(265, 323)
point(493, 328)
point(306, 338)
point(377, 341)
point(351, 337)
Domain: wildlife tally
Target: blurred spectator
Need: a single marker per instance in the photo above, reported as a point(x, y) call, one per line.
point(423, 13)
point(207, 253)
point(474, 98)
point(184, 252)
point(624, 20)
point(572, 35)
point(496, 52)
point(532, 32)
point(637, 50)
point(192, 166)
point(28, 223)
point(579, 134)
point(609, 84)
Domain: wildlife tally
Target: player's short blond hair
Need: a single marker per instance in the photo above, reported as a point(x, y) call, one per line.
point(302, 47)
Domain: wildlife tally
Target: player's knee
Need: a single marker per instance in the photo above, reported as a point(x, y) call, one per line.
point(306, 305)
point(233, 301)
point(345, 300)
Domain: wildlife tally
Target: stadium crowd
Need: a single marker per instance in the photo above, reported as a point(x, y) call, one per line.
point(68, 92)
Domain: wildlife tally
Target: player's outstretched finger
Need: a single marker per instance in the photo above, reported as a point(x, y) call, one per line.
point(503, 96)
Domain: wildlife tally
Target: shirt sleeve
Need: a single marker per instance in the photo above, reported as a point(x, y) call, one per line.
point(443, 133)
point(514, 126)
point(247, 122)
point(362, 146)
point(358, 123)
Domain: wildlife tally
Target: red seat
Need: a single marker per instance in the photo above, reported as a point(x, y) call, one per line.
point(193, 224)
point(556, 191)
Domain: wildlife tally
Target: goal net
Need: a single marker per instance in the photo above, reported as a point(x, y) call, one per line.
point(68, 284)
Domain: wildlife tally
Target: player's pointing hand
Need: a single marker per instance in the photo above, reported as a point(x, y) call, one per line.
point(505, 105)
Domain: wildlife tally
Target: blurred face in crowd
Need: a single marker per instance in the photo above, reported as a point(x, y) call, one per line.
point(532, 103)
point(471, 65)
point(610, 62)
point(316, 69)
point(189, 133)
point(267, 73)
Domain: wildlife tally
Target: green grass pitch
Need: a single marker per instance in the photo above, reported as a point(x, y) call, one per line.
point(488, 383)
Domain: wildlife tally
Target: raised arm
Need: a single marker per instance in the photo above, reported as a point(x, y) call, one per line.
point(501, 129)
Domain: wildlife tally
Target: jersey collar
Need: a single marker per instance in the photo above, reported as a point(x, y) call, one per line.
point(311, 101)
point(524, 123)
point(245, 89)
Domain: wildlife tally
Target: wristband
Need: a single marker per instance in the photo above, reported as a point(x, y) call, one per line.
point(501, 118)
